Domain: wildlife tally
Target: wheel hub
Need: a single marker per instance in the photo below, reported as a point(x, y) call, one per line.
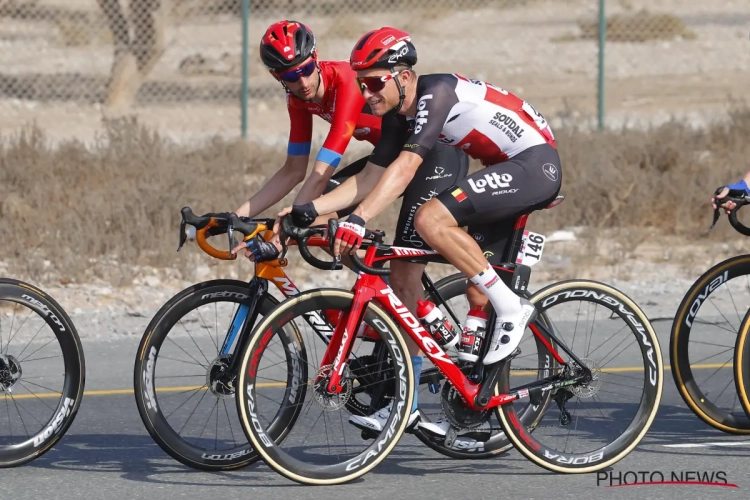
point(220, 382)
point(326, 400)
point(10, 372)
point(590, 387)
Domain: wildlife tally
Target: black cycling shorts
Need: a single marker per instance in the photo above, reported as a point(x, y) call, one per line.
point(441, 168)
point(489, 201)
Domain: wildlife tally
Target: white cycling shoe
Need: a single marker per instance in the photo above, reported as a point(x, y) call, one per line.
point(509, 332)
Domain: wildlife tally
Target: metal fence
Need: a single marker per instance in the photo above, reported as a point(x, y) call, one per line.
point(178, 64)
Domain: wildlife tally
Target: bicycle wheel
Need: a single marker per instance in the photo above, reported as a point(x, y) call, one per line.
point(742, 364)
point(600, 421)
point(322, 447)
point(33, 374)
point(533, 362)
point(702, 341)
point(183, 350)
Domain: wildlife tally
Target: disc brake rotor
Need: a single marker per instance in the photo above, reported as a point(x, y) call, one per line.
point(216, 378)
point(10, 372)
point(329, 401)
point(590, 388)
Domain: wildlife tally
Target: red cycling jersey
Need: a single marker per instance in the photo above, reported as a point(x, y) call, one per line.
point(343, 107)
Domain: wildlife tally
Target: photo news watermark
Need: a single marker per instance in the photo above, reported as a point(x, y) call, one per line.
point(656, 478)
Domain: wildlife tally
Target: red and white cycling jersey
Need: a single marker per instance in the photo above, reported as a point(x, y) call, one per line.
point(487, 122)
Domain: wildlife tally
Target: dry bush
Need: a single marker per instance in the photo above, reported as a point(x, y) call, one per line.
point(106, 210)
point(642, 26)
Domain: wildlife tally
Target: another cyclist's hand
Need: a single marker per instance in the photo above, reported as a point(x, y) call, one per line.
point(349, 235)
point(729, 205)
point(736, 190)
point(259, 250)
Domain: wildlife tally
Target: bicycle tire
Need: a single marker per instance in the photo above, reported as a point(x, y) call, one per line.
point(448, 288)
point(284, 463)
point(71, 394)
point(679, 341)
point(146, 400)
point(626, 440)
point(742, 364)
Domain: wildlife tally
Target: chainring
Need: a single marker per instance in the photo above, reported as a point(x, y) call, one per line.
point(363, 371)
point(458, 412)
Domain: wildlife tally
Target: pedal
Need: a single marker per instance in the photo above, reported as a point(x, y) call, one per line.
point(368, 434)
point(434, 387)
point(450, 437)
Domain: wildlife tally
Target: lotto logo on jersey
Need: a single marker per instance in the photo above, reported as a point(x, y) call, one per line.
point(493, 180)
point(459, 194)
point(422, 113)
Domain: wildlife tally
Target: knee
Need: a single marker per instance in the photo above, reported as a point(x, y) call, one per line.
point(431, 217)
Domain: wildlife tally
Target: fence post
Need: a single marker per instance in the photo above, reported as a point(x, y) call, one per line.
point(244, 90)
point(602, 40)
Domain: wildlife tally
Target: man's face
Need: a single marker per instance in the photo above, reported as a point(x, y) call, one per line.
point(378, 89)
point(302, 80)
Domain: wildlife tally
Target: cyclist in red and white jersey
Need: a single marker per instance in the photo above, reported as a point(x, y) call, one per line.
point(508, 136)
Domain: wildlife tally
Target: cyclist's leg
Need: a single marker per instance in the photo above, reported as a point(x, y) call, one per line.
point(441, 168)
point(496, 193)
point(493, 239)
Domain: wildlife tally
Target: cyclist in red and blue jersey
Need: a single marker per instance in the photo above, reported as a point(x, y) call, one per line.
point(327, 89)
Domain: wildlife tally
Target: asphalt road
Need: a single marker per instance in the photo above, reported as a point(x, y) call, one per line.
point(108, 454)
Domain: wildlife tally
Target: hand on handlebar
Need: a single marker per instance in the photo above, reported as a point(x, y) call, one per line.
point(259, 250)
point(737, 190)
point(349, 236)
point(727, 205)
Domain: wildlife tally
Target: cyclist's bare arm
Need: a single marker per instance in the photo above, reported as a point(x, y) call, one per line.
point(315, 183)
point(347, 106)
point(351, 191)
point(393, 182)
point(279, 185)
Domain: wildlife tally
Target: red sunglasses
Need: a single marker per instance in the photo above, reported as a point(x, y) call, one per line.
point(375, 83)
point(295, 74)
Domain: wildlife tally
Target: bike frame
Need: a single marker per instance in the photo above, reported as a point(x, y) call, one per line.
point(371, 287)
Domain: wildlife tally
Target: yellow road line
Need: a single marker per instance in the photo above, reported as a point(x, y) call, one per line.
point(186, 388)
point(115, 392)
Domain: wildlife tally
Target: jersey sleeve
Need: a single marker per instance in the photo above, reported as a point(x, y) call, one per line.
point(436, 96)
point(391, 140)
point(300, 130)
point(347, 105)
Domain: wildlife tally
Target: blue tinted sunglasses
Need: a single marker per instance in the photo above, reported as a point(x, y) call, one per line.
point(294, 75)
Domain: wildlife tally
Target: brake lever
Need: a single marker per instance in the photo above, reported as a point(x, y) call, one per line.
point(333, 227)
point(183, 234)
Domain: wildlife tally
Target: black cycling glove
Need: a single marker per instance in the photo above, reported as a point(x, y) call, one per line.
point(304, 215)
point(262, 250)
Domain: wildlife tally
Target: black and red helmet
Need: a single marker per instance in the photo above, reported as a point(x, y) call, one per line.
point(383, 48)
point(286, 44)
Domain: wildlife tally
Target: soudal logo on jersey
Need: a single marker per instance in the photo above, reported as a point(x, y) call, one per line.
point(493, 180)
point(422, 113)
point(445, 140)
point(508, 125)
